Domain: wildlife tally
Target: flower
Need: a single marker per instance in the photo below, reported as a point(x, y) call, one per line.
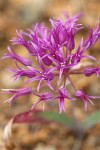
point(79, 54)
point(45, 74)
point(44, 97)
point(17, 93)
point(22, 72)
point(57, 58)
point(63, 93)
point(94, 35)
point(90, 71)
point(62, 64)
point(81, 94)
point(14, 56)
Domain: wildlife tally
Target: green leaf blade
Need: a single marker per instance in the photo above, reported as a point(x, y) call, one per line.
point(91, 120)
point(59, 118)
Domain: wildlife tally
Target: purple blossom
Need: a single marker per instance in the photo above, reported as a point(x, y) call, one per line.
point(53, 50)
point(63, 33)
point(22, 72)
point(63, 93)
point(17, 93)
point(14, 56)
point(94, 35)
point(45, 74)
point(42, 98)
point(90, 71)
point(79, 54)
point(58, 36)
point(62, 64)
point(85, 98)
point(73, 27)
point(20, 39)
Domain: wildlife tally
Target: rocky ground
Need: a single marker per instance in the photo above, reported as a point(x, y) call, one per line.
point(21, 15)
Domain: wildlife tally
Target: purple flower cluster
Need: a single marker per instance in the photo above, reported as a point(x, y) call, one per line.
point(57, 57)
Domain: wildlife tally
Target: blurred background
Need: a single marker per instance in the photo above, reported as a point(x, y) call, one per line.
point(22, 14)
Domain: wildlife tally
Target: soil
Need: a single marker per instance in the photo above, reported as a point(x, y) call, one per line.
point(21, 15)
